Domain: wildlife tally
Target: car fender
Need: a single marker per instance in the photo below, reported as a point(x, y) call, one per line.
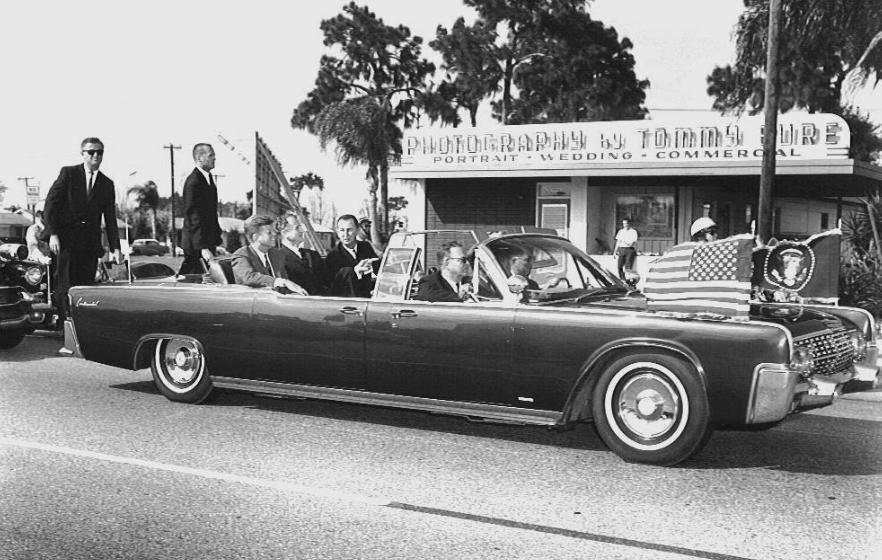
point(578, 405)
point(141, 355)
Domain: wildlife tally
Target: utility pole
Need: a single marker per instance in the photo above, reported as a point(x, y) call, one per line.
point(171, 152)
point(31, 207)
point(770, 130)
point(216, 183)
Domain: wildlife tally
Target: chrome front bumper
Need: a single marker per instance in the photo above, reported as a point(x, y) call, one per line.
point(778, 391)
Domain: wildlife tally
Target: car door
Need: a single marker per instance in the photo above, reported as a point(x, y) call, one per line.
point(449, 351)
point(309, 340)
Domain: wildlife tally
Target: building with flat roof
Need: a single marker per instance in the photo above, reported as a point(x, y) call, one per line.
point(582, 179)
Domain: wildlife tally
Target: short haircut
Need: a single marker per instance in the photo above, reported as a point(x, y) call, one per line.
point(254, 223)
point(90, 140)
point(201, 148)
point(348, 217)
point(444, 251)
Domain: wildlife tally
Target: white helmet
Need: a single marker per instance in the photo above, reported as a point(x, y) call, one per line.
point(701, 224)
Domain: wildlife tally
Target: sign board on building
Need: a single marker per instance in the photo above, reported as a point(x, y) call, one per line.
point(801, 136)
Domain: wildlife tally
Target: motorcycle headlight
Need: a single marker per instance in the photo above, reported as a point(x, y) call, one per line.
point(33, 275)
point(802, 360)
point(859, 345)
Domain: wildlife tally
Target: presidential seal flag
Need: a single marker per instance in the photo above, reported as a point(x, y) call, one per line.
point(809, 269)
point(703, 278)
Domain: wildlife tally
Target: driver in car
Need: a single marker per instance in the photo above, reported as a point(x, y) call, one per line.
point(521, 264)
point(446, 283)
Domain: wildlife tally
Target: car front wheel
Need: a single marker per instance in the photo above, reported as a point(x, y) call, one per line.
point(651, 408)
point(179, 372)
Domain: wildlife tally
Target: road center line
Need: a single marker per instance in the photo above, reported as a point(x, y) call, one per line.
point(357, 498)
point(204, 473)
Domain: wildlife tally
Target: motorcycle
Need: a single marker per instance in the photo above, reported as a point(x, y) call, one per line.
point(25, 295)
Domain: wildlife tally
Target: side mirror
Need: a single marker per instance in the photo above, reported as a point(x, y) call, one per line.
point(517, 284)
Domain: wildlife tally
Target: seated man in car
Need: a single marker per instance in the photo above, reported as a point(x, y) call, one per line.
point(521, 263)
point(252, 265)
point(446, 284)
point(302, 265)
point(352, 264)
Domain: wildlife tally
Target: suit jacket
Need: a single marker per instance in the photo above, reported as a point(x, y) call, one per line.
point(304, 267)
point(76, 218)
point(340, 264)
point(248, 268)
point(201, 227)
point(435, 288)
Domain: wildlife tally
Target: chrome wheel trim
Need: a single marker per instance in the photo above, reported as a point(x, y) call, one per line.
point(646, 406)
point(179, 363)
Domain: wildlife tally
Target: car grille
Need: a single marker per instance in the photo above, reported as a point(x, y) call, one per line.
point(832, 351)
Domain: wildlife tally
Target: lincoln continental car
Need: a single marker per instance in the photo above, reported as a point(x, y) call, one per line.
point(581, 347)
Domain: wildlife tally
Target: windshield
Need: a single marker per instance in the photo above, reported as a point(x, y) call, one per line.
point(554, 268)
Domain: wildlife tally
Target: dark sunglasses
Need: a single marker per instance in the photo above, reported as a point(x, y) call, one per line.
point(93, 152)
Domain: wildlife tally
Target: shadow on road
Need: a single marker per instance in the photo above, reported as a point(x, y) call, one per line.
point(809, 444)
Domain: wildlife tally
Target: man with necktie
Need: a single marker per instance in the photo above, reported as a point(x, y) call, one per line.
point(446, 284)
point(201, 232)
point(75, 205)
point(254, 265)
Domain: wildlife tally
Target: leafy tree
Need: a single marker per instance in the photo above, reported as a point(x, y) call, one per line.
point(364, 94)
point(860, 272)
point(586, 74)
point(564, 65)
point(142, 201)
point(472, 71)
point(823, 43)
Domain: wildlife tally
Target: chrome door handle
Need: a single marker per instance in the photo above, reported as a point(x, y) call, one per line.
point(403, 313)
point(348, 310)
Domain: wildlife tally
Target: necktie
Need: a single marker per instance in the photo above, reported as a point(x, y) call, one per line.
point(211, 180)
point(269, 267)
point(89, 184)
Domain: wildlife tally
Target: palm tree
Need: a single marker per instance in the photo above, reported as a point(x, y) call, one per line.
point(144, 198)
point(363, 133)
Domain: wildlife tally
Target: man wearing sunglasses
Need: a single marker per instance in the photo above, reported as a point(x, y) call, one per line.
point(75, 205)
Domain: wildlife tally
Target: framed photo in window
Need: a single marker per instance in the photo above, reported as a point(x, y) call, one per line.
point(652, 215)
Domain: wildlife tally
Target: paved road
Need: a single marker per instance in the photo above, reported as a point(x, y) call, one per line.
point(95, 464)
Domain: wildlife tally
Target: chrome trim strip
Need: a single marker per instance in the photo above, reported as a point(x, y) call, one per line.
point(499, 413)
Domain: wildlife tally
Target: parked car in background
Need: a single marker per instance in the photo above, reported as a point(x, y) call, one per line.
point(563, 342)
point(149, 247)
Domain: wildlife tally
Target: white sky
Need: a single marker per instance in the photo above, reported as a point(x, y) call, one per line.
point(142, 74)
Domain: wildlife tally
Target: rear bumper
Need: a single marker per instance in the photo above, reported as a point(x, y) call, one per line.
point(71, 343)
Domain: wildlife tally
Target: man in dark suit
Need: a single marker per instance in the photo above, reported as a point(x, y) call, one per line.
point(201, 232)
point(352, 264)
point(254, 266)
point(446, 284)
point(302, 265)
point(75, 204)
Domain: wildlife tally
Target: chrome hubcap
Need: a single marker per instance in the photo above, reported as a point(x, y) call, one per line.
point(182, 361)
point(648, 406)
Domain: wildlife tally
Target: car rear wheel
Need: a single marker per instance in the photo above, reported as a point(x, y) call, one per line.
point(179, 372)
point(651, 408)
point(10, 339)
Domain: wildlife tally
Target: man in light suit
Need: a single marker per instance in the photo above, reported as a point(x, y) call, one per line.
point(254, 266)
point(201, 233)
point(352, 264)
point(77, 201)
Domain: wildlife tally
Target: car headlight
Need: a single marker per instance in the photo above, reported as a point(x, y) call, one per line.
point(802, 359)
point(859, 345)
point(33, 275)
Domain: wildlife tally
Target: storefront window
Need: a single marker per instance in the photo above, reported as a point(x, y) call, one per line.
point(652, 215)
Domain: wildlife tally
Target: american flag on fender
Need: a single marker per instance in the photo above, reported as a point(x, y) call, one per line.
point(703, 278)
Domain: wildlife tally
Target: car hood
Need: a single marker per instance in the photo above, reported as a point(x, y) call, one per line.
point(797, 319)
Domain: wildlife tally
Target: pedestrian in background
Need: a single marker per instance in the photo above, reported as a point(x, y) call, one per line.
point(626, 247)
point(201, 233)
point(75, 204)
